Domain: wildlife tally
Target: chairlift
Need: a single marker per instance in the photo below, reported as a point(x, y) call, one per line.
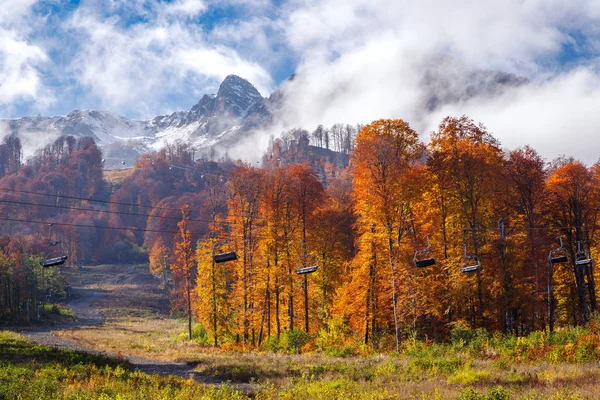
point(224, 257)
point(52, 262)
point(472, 263)
point(423, 257)
point(310, 269)
point(559, 255)
point(581, 258)
point(307, 270)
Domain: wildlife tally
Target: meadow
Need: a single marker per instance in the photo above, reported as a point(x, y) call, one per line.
point(539, 366)
point(472, 364)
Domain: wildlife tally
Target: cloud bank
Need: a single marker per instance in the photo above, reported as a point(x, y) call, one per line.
point(364, 60)
point(355, 61)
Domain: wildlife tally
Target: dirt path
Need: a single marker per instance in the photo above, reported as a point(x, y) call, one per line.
point(83, 304)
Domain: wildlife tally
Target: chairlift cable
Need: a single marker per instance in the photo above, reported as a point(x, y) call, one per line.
point(109, 211)
point(76, 225)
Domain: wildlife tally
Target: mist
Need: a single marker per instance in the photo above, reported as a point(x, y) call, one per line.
point(497, 64)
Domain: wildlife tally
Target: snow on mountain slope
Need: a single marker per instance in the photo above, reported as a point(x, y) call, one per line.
point(237, 107)
point(221, 120)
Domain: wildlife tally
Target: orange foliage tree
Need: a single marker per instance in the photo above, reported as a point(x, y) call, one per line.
point(573, 206)
point(468, 163)
point(182, 270)
point(386, 152)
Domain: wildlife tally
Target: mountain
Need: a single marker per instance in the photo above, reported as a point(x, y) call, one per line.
point(221, 120)
point(236, 109)
point(216, 120)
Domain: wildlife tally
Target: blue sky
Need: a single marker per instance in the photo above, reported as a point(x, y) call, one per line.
point(357, 60)
point(96, 54)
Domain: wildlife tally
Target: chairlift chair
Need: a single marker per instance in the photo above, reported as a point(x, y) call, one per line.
point(423, 257)
point(472, 263)
point(224, 257)
point(52, 262)
point(310, 269)
point(307, 270)
point(581, 258)
point(559, 255)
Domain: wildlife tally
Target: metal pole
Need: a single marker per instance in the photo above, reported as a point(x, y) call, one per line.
point(214, 293)
point(306, 302)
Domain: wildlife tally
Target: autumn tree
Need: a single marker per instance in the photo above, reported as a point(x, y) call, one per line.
point(468, 162)
point(159, 260)
point(385, 153)
point(573, 206)
point(213, 305)
point(246, 187)
point(525, 176)
point(182, 270)
point(308, 194)
point(332, 240)
point(272, 245)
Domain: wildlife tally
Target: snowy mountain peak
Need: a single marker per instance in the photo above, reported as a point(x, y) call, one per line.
point(236, 96)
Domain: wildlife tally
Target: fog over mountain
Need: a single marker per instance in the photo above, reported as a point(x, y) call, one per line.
point(213, 122)
point(529, 71)
point(228, 122)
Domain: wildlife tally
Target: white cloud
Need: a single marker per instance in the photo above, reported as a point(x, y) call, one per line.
point(555, 117)
point(188, 8)
point(362, 60)
point(21, 60)
point(357, 60)
point(136, 68)
point(12, 11)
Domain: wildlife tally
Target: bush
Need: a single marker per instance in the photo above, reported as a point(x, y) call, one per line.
point(271, 344)
point(199, 335)
point(460, 332)
point(293, 340)
point(333, 342)
point(494, 393)
point(468, 376)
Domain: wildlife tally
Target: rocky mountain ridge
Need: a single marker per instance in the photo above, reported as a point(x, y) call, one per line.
point(218, 121)
point(236, 109)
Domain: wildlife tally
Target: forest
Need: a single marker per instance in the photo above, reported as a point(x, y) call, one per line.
point(402, 238)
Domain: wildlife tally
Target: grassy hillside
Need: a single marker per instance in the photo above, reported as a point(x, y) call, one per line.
point(35, 372)
point(472, 365)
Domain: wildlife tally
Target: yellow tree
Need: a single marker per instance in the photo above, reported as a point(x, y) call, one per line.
point(308, 194)
point(213, 303)
point(525, 182)
point(385, 153)
point(573, 206)
point(273, 244)
point(246, 185)
point(333, 242)
point(182, 270)
point(469, 161)
point(159, 260)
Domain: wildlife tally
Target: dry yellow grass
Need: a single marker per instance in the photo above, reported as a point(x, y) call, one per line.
point(117, 176)
point(138, 323)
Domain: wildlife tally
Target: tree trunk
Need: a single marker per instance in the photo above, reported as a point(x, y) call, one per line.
point(214, 301)
point(189, 309)
point(394, 293)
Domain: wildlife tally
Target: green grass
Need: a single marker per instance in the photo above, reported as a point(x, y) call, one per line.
point(36, 372)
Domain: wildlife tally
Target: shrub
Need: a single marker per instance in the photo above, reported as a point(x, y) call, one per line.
point(293, 340)
point(199, 335)
point(460, 332)
point(468, 376)
point(494, 393)
point(271, 344)
point(436, 365)
point(333, 342)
